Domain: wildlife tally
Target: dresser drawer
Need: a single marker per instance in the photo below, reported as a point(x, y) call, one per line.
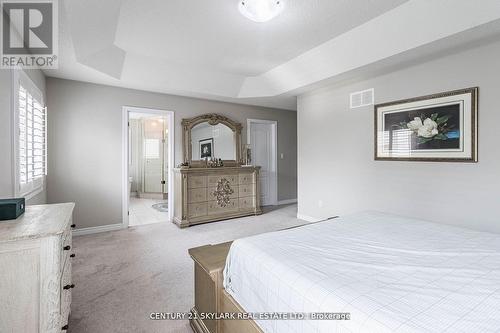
point(215, 208)
point(246, 190)
point(66, 289)
point(246, 178)
point(197, 209)
point(214, 179)
point(247, 203)
point(197, 181)
point(196, 195)
point(66, 248)
point(211, 190)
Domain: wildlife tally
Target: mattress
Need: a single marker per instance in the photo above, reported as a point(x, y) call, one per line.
point(385, 273)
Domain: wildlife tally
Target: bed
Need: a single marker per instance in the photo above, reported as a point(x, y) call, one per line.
point(389, 273)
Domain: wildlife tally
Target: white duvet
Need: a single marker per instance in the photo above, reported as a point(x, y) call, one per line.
point(391, 274)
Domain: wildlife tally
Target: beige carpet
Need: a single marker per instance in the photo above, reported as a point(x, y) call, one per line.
point(123, 276)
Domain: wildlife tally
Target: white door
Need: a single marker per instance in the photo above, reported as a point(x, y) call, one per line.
point(153, 166)
point(262, 138)
point(165, 162)
point(154, 155)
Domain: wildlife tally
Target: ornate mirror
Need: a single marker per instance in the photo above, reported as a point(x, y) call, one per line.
point(211, 136)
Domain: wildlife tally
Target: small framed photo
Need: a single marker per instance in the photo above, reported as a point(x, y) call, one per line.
point(206, 148)
point(437, 128)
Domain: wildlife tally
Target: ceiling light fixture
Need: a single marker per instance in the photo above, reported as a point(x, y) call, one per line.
point(260, 10)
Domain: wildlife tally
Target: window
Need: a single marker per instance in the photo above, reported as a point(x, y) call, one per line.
point(31, 147)
point(152, 148)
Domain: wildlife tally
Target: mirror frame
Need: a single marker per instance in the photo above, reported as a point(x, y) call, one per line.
point(212, 119)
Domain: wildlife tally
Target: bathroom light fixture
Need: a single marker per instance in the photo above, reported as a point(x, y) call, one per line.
point(260, 10)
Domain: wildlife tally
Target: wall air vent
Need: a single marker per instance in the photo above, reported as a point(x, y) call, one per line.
point(362, 98)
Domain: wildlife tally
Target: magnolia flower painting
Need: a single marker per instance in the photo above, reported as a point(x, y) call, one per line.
point(424, 129)
point(435, 127)
point(440, 127)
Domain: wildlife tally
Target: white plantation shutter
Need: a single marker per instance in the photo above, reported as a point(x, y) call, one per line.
point(32, 144)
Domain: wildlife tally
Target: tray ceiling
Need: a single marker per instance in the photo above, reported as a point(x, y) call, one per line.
point(207, 49)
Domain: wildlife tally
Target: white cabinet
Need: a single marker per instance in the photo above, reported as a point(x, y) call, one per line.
point(35, 270)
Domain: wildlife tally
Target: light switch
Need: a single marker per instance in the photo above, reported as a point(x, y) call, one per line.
point(281, 156)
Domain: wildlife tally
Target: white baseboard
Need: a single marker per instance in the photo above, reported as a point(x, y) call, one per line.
point(287, 202)
point(308, 218)
point(94, 230)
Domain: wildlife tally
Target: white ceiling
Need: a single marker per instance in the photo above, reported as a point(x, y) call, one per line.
point(213, 35)
point(206, 49)
point(170, 46)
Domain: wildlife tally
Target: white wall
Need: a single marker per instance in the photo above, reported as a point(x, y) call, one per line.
point(85, 133)
point(6, 179)
point(338, 175)
point(6, 136)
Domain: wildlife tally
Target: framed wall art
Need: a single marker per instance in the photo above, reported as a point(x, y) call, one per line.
point(206, 148)
point(439, 128)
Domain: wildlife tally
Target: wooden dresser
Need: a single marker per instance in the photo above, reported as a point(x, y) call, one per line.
point(35, 270)
point(210, 194)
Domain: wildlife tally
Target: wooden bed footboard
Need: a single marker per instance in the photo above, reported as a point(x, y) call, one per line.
point(229, 305)
point(210, 296)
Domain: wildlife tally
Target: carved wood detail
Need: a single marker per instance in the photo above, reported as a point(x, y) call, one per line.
point(212, 119)
point(223, 192)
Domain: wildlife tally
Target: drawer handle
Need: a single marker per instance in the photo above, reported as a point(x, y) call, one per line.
point(72, 255)
point(69, 286)
point(65, 327)
point(73, 226)
point(67, 248)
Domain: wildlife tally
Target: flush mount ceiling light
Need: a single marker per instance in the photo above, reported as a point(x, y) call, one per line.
point(260, 10)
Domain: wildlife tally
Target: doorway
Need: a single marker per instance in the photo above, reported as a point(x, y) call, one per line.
point(262, 138)
point(148, 157)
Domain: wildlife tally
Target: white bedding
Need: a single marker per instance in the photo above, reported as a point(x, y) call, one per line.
point(391, 274)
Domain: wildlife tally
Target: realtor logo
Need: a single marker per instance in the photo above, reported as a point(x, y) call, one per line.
point(29, 36)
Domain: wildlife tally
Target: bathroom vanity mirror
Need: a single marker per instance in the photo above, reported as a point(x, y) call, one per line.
point(211, 136)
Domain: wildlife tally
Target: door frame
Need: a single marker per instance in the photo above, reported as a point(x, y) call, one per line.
point(169, 115)
point(274, 150)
